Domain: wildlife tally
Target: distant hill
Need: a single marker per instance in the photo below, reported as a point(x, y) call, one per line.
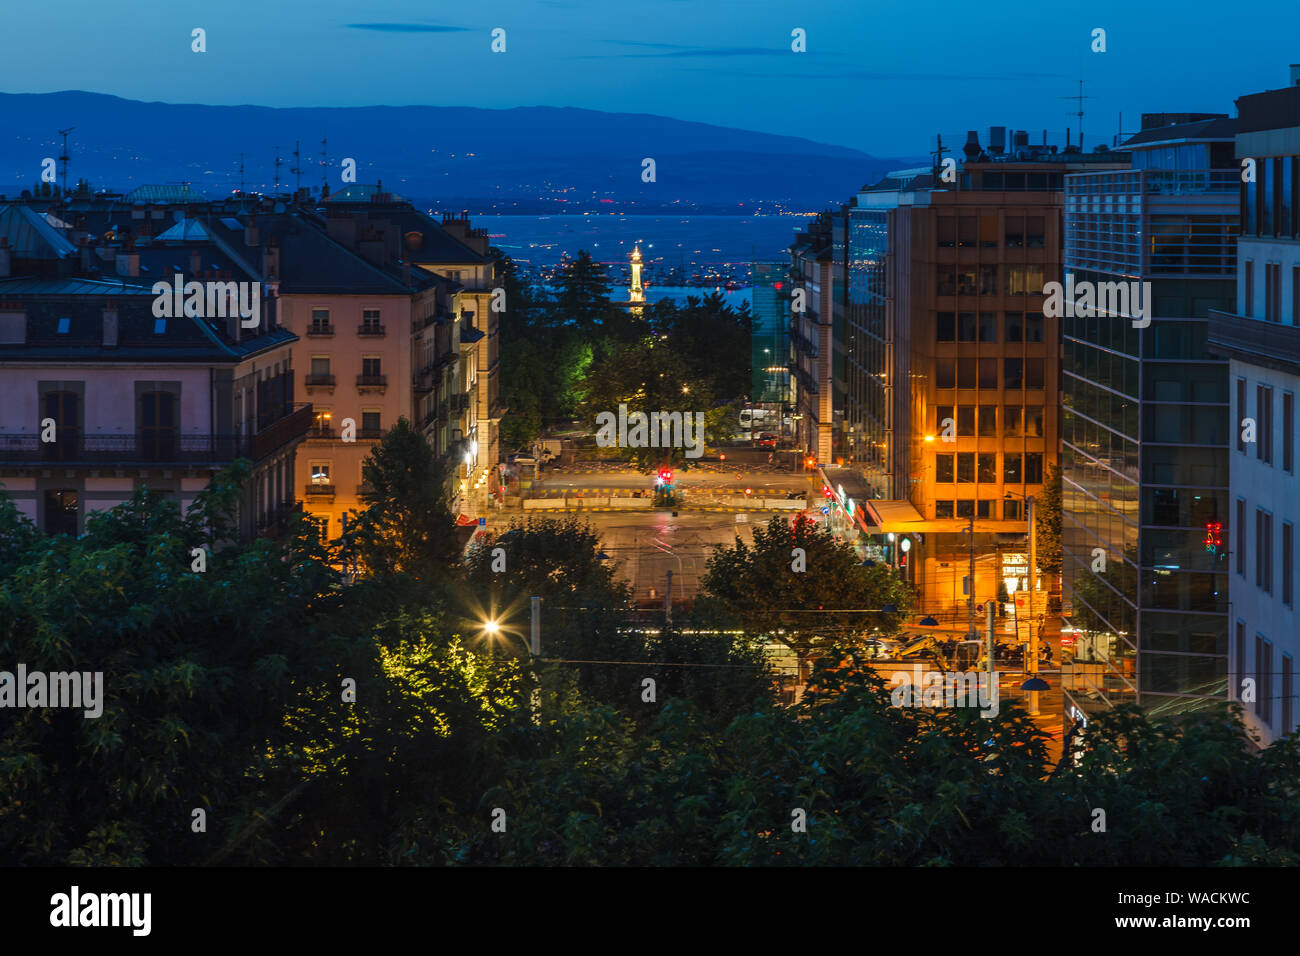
point(424, 151)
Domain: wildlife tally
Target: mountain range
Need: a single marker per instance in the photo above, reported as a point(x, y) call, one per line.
point(484, 156)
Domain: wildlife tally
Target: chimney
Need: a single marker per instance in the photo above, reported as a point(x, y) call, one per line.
point(1295, 74)
point(110, 325)
point(196, 264)
point(128, 264)
point(271, 260)
point(1022, 139)
point(250, 233)
point(6, 258)
point(997, 140)
point(972, 147)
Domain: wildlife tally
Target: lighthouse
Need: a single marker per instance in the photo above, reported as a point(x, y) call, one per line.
point(635, 292)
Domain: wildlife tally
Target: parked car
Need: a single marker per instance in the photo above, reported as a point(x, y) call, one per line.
point(767, 440)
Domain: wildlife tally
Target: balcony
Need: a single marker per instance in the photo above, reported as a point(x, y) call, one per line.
point(320, 381)
point(370, 329)
point(156, 447)
point(372, 383)
point(372, 433)
point(288, 430)
point(321, 330)
point(318, 489)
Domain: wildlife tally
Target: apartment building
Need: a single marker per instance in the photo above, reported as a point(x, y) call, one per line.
point(1260, 338)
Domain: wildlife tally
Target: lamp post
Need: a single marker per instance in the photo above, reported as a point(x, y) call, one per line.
point(1033, 683)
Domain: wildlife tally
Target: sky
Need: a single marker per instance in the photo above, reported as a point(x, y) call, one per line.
point(883, 76)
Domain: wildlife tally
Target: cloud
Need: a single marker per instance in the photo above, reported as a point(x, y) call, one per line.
point(406, 28)
point(907, 77)
point(690, 51)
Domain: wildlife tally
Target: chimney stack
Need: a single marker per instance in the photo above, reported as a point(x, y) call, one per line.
point(250, 233)
point(110, 325)
point(196, 264)
point(271, 261)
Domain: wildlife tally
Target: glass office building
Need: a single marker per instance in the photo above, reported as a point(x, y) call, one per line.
point(1145, 525)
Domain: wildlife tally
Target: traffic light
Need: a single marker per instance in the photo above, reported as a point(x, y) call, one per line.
point(666, 476)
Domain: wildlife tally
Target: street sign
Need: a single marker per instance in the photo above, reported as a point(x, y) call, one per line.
point(482, 522)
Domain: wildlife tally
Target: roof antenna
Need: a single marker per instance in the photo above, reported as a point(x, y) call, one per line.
point(64, 157)
point(295, 168)
point(278, 164)
point(1080, 98)
point(938, 151)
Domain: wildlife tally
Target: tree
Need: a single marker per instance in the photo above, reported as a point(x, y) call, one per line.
point(833, 598)
point(583, 296)
point(1047, 522)
point(407, 526)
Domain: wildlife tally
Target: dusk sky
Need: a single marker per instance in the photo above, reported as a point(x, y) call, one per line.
point(882, 76)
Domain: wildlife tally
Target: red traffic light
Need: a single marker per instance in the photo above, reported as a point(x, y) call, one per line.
point(666, 476)
point(749, 491)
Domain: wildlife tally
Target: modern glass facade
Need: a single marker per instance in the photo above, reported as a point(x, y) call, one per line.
point(868, 418)
point(769, 342)
point(1145, 526)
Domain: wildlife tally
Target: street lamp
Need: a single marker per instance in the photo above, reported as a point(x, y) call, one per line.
point(1034, 684)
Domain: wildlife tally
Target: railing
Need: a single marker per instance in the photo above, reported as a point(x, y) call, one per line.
point(1166, 182)
point(372, 381)
point(285, 431)
point(319, 380)
point(320, 330)
point(370, 329)
point(318, 490)
point(157, 447)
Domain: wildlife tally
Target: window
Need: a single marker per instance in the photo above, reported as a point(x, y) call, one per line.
point(988, 369)
point(320, 366)
point(320, 321)
point(1025, 280)
point(967, 231)
point(321, 419)
point(320, 472)
point(1014, 230)
point(966, 373)
point(965, 421)
point(1011, 469)
point(966, 280)
point(159, 326)
point(1034, 468)
point(1241, 536)
point(1264, 550)
point(1011, 510)
point(157, 425)
point(1295, 295)
point(945, 327)
point(988, 421)
point(965, 326)
point(1013, 373)
point(1288, 694)
point(943, 509)
point(370, 366)
point(370, 421)
point(64, 325)
point(61, 511)
point(370, 320)
point(946, 231)
point(1034, 231)
point(1264, 679)
point(984, 508)
point(1014, 323)
point(1272, 292)
point(945, 280)
point(942, 414)
point(1249, 282)
point(988, 468)
point(1011, 420)
point(1241, 414)
point(1239, 656)
point(1034, 373)
point(1264, 424)
point(1288, 432)
point(966, 466)
point(945, 374)
point(966, 509)
point(1288, 563)
point(1033, 327)
point(1034, 421)
point(65, 408)
point(988, 327)
point(943, 469)
point(988, 280)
